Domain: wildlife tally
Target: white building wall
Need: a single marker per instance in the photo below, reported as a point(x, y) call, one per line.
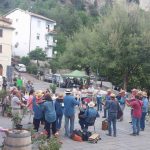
point(5, 56)
point(38, 28)
point(21, 23)
point(24, 39)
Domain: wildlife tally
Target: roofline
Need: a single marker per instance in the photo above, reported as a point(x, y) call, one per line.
point(6, 27)
point(4, 19)
point(31, 14)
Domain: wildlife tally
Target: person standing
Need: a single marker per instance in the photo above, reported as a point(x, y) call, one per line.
point(4, 83)
point(37, 109)
point(136, 106)
point(144, 111)
point(122, 102)
point(50, 115)
point(99, 100)
point(16, 105)
point(107, 99)
point(59, 106)
point(112, 108)
point(19, 83)
point(29, 86)
point(69, 111)
point(29, 103)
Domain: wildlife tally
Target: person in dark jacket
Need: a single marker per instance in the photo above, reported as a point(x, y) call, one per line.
point(112, 108)
point(37, 109)
point(89, 116)
point(50, 115)
point(59, 107)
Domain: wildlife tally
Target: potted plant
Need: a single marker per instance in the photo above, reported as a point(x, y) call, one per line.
point(53, 88)
point(16, 119)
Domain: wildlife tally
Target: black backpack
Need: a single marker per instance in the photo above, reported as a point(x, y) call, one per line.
point(86, 135)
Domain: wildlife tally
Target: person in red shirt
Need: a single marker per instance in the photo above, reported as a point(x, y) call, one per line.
point(136, 106)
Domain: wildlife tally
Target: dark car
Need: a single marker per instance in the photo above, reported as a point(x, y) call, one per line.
point(48, 78)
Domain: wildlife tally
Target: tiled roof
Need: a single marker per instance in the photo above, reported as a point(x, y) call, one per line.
point(5, 20)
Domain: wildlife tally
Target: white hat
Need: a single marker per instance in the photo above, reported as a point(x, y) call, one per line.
point(91, 104)
point(67, 91)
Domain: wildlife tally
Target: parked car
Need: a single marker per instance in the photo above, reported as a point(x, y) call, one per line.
point(48, 78)
point(21, 67)
point(58, 80)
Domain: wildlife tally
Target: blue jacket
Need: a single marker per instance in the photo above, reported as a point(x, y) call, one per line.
point(90, 113)
point(112, 107)
point(49, 110)
point(37, 109)
point(59, 107)
point(145, 105)
point(69, 103)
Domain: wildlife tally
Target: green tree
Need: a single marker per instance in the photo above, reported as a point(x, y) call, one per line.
point(37, 54)
point(25, 60)
point(118, 45)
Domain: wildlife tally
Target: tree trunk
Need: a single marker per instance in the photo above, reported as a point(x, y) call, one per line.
point(125, 81)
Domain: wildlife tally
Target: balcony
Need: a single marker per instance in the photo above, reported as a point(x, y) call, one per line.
point(51, 44)
point(52, 32)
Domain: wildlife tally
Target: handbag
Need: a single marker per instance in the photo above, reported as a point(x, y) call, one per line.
point(119, 112)
point(104, 125)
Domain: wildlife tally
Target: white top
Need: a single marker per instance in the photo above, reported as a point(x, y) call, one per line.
point(15, 102)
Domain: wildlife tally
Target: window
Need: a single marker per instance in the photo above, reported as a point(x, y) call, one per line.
point(1, 32)
point(0, 48)
point(38, 36)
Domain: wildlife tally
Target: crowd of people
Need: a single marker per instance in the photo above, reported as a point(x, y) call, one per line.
point(48, 108)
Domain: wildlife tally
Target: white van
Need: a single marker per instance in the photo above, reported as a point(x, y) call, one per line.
point(21, 68)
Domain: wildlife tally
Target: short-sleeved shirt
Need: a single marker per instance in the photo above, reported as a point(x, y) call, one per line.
point(15, 102)
point(137, 108)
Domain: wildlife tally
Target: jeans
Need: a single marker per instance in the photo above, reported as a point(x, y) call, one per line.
point(36, 123)
point(58, 121)
point(67, 119)
point(99, 103)
point(105, 112)
point(136, 125)
point(142, 121)
point(112, 117)
point(83, 124)
point(48, 126)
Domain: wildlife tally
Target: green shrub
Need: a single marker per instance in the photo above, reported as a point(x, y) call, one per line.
point(32, 69)
point(53, 88)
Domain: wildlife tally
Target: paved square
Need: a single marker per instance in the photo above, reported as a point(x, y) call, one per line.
point(123, 141)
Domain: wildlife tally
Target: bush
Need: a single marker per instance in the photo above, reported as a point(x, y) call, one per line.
point(53, 88)
point(32, 69)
